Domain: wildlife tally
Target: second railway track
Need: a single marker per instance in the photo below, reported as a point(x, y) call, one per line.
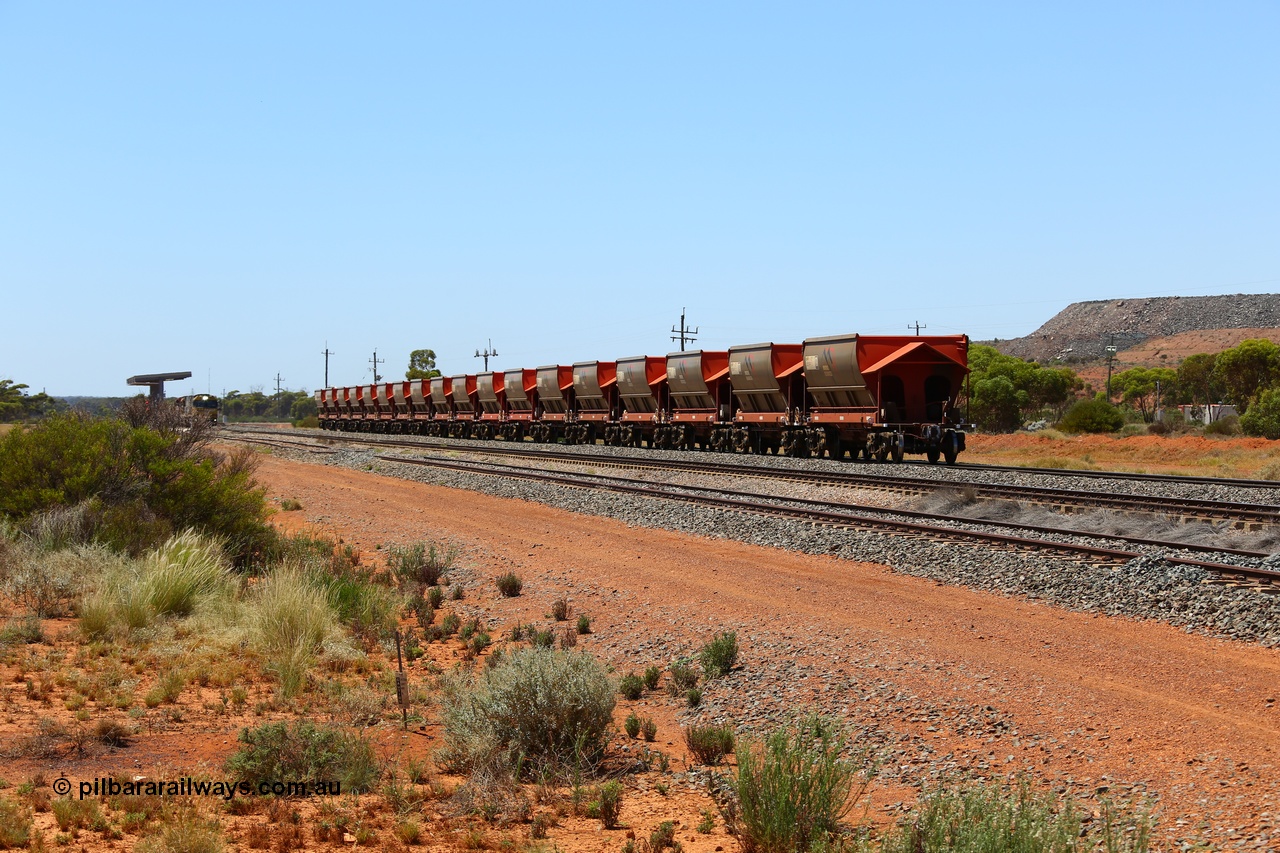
point(1241, 515)
point(932, 526)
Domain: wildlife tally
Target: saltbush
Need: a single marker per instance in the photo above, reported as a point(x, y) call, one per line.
point(991, 818)
point(610, 803)
point(793, 789)
point(15, 825)
point(509, 584)
point(630, 686)
point(719, 655)
point(1091, 416)
point(536, 710)
point(304, 751)
point(421, 563)
point(708, 744)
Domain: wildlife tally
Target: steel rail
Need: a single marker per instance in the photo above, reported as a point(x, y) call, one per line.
point(809, 510)
point(1240, 514)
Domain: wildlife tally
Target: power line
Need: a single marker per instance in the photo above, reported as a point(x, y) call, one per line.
point(326, 355)
point(918, 326)
point(489, 352)
point(684, 333)
point(375, 361)
point(278, 381)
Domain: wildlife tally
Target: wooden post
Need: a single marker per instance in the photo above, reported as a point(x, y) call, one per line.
point(402, 685)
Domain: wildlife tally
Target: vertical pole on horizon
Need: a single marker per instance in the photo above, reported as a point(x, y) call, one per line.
point(684, 333)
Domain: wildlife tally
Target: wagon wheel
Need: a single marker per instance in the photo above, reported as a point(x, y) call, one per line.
point(835, 449)
point(741, 440)
point(817, 442)
point(882, 452)
point(950, 449)
point(932, 455)
point(897, 449)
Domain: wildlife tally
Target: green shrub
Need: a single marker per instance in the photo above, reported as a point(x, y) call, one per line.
point(632, 725)
point(15, 825)
point(435, 597)
point(693, 696)
point(560, 609)
point(649, 729)
point(1263, 415)
point(140, 482)
point(651, 676)
point(535, 710)
point(584, 624)
point(510, 584)
point(541, 639)
point(75, 813)
point(185, 833)
point(421, 563)
point(630, 686)
point(1091, 416)
point(663, 837)
point(708, 744)
point(683, 679)
point(610, 803)
point(793, 788)
point(304, 751)
point(990, 818)
point(719, 655)
point(1229, 425)
point(25, 631)
point(367, 606)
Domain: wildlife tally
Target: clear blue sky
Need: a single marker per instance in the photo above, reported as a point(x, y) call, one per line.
point(225, 187)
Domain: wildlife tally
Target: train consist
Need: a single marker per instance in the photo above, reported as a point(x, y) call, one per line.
point(872, 396)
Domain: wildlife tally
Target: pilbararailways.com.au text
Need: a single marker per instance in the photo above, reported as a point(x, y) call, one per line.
point(192, 787)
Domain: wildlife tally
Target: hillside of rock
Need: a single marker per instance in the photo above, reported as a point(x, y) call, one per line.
point(1082, 330)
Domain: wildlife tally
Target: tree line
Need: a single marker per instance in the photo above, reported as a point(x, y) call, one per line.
point(1005, 392)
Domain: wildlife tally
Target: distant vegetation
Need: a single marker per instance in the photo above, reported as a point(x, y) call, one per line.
point(132, 481)
point(17, 405)
point(1006, 392)
point(254, 405)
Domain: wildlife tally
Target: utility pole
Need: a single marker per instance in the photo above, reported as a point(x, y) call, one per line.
point(489, 352)
point(684, 333)
point(326, 355)
point(375, 361)
point(278, 381)
point(1111, 358)
point(918, 326)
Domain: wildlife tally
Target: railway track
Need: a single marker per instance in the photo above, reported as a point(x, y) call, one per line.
point(1244, 516)
point(922, 525)
point(855, 517)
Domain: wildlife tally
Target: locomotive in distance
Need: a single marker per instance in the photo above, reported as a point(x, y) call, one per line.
point(198, 407)
point(871, 396)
